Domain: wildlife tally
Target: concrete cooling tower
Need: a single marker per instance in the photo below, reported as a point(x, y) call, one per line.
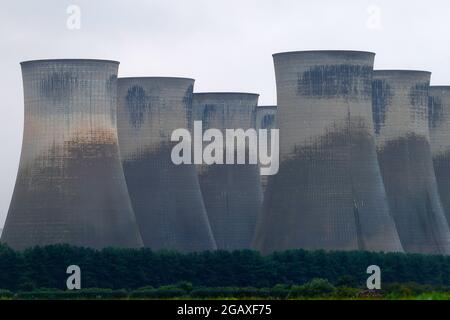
point(439, 123)
point(231, 192)
point(328, 193)
point(70, 186)
point(400, 104)
point(266, 119)
point(166, 197)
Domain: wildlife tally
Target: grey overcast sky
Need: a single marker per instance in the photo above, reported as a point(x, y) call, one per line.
point(226, 45)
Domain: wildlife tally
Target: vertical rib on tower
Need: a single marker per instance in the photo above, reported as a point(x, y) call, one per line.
point(231, 192)
point(439, 123)
point(166, 197)
point(328, 193)
point(400, 100)
point(266, 119)
point(70, 186)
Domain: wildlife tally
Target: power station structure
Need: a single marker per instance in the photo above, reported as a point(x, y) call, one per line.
point(166, 197)
point(328, 193)
point(231, 192)
point(364, 160)
point(400, 111)
point(266, 119)
point(70, 187)
point(439, 123)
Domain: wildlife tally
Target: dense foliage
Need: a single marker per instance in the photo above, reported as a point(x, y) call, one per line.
point(314, 289)
point(116, 269)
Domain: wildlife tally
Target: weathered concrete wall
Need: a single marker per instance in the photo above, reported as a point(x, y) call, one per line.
point(166, 197)
point(266, 119)
point(439, 123)
point(328, 193)
point(70, 187)
point(232, 193)
point(400, 110)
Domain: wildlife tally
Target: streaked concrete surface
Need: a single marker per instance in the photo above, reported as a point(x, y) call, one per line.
point(400, 110)
point(70, 187)
point(231, 192)
point(328, 193)
point(166, 197)
point(266, 119)
point(439, 123)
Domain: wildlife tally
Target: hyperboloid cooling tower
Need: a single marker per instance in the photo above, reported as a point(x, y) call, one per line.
point(70, 186)
point(439, 123)
point(328, 193)
point(266, 119)
point(166, 197)
point(400, 109)
point(231, 192)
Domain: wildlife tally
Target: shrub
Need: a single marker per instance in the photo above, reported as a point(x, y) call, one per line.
point(41, 294)
point(280, 291)
point(410, 289)
point(205, 293)
point(96, 293)
point(312, 289)
point(6, 294)
point(55, 294)
point(165, 292)
point(344, 292)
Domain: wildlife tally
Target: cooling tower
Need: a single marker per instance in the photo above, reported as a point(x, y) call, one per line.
point(166, 197)
point(266, 119)
point(400, 104)
point(328, 193)
point(70, 186)
point(439, 123)
point(231, 192)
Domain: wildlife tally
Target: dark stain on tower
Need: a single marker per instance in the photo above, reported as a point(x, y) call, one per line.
point(330, 81)
point(58, 85)
point(187, 101)
point(381, 97)
point(137, 103)
point(435, 111)
point(418, 95)
point(265, 118)
point(267, 121)
point(209, 112)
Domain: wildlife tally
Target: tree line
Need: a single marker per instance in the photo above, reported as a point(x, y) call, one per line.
point(113, 268)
